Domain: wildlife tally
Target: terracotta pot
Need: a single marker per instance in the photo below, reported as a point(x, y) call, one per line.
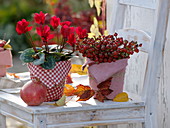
point(99, 73)
point(5, 61)
point(53, 79)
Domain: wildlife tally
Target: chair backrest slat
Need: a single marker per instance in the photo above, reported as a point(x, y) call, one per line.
point(139, 3)
point(137, 64)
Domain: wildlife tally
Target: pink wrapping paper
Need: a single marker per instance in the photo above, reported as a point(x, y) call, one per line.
point(101, 72)
point(5, 61)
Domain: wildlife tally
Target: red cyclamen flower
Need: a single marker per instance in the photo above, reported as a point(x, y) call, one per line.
point(66, 31)
point(22, 27)
point(40, 17)
point(71, 39)
point(68, 23)
point(82, 33)
point(44, 32)
point(55, 22)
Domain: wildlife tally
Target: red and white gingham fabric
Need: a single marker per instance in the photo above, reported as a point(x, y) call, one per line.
point(54, 78)
point(55, 92)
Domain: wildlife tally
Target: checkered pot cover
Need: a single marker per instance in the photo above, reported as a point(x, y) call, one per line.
point(54, 79)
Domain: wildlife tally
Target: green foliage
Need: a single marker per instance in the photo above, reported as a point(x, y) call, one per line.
point(27, 55)
point(49, 62)
point(40, 60)
point(46, 60)
point(79, 5)
point(12, 11)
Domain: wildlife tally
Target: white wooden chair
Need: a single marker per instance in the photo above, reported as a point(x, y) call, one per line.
point(142, 77)
point(91, 113)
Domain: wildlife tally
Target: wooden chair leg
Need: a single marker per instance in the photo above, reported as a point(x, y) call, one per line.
point(2, 121)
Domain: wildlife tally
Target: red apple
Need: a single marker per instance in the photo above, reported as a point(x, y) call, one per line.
point(33, 93)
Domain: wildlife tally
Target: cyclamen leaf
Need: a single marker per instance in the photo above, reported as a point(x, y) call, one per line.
point(40, 60)
point(26, 55)
point(121, 97)
point(49, 62)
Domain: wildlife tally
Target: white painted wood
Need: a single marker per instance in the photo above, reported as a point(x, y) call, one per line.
point(139, 18)
point(137, 64)
point(2, 121)
point(155, 63)
point(136, 35)
point(115, 15)
point(92, 112)
point(40, 121)
point(74, 114)
point(164, 88)
point(132, 19)
point(122, 16)
point(144, 3)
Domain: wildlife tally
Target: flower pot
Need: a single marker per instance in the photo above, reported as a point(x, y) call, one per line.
point(114, 71)
point(53, 79)
point(5, 61)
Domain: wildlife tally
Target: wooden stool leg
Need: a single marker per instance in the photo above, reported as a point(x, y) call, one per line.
point(2, 121)
point(40, 121)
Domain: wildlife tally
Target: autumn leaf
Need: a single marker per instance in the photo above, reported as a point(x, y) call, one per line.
point(105, 84)
point(106, 92)
point(97, 4)
point(14, 75)
point(84, 92)
point(121, 97)
point(86, 95)
point(95, 22)
point(61, 101)
point(69, 90)
point(78, 69)
point(94, 29)
point(81, 89)
point(68, 79)
point(106, 32)
point(100, 97)
point(91, 2)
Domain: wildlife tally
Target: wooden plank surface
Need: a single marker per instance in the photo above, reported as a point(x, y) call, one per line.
point(150, 4)
point(164, 88)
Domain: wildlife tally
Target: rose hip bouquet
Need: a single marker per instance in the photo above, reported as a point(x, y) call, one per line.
point(107, 61)
point(107, 48)
point(47, 55)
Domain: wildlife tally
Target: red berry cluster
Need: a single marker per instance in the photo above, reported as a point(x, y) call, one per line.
point(107, 48)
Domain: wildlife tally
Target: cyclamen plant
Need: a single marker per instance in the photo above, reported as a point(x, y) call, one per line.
point(107, 48)
point(47, 55)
